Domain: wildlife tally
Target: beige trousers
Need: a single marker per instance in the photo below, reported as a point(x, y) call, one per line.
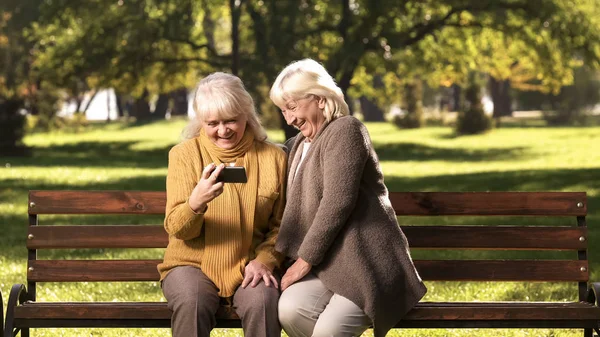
point(308, 309)
point(193, 298)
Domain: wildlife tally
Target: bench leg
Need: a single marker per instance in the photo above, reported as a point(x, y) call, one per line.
point(588, 332)
point(18, 295)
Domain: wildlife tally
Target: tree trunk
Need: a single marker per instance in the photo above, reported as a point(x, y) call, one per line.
point(87, 105)
point(162, 105)
point(107, 106)
point(344, 84)
point(78, 100)
point(500, 91)
point(413, 104)
point(456, 98)
point(141, 108)
point(236, 12)
point(180, 102)
point(11, 128)
point(119, 103)
point(473, 120)
point(370, 111)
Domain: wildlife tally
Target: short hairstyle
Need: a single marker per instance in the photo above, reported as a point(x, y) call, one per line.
point(224, 96)
point(307, 77)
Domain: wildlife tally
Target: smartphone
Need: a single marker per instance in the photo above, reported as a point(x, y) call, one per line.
point(233, 174)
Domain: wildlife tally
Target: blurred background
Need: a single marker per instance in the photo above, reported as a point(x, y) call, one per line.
point(415, 63)
point(458, 95)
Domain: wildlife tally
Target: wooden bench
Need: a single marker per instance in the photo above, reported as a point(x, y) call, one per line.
point(571, 236)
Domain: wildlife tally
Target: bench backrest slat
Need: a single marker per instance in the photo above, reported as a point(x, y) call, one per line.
point(497, 237)
point(96, 202)
point(448, 237)
point(432, 270)
point(89, 236)
point(405, 203)
point(485, 203)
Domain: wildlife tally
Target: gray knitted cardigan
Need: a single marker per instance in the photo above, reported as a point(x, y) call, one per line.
point(338, 217)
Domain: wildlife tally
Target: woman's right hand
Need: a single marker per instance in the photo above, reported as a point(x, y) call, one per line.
point(207, 188)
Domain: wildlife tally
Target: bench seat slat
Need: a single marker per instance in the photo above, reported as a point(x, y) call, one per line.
point(437, 237)
point(423, 311)
point(404, 203)
point(439, 270)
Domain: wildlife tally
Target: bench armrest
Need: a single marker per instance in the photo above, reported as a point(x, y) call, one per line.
point(593, 293)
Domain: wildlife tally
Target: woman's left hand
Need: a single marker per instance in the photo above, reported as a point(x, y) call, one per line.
point(256, 271)
point(294, 273)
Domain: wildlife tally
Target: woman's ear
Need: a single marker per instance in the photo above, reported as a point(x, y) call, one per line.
point(321, 101)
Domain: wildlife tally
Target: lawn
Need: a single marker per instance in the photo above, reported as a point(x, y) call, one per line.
point(117, 156)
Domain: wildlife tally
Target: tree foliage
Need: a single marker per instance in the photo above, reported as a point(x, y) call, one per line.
point(145, 48)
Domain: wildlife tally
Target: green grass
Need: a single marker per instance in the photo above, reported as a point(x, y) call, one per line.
point(117, 156)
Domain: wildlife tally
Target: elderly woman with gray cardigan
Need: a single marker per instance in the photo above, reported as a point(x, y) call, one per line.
point(352, 265)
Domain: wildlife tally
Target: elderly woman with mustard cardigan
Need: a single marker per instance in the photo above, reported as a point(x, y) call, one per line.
point(222, 235)
point(352, 265)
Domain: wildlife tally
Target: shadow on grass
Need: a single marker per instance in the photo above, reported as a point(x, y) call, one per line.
point(143, 183)
point(422, 153)
point(539, 122)
point(521, 180)
point(94, 154)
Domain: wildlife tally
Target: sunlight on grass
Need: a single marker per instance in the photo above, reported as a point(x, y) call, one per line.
point(117, 156)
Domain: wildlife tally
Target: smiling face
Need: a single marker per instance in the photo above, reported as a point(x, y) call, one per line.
point(305, 114)
point(225, 133)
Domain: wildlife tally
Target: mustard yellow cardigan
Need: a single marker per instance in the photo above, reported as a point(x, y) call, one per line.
point(186, 237)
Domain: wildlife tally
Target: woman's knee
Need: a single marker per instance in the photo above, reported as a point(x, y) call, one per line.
point(187, 288)
point(260, 298)
point(288, 308)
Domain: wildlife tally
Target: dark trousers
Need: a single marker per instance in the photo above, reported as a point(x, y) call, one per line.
point(194, 301)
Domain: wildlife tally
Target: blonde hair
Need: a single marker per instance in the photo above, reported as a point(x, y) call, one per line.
point(307, 77)
point(223, 96)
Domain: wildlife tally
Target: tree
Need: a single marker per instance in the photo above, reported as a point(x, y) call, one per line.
point(473, 120)
point(17, 85)
point(140, 48)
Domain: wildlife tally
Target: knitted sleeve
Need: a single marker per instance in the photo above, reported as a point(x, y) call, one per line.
point(265, 251)
point(181, 221)
point(344, 158)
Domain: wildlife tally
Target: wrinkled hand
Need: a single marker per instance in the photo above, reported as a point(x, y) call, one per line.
point(256, 271)
point(294, 273)
point(207, 188)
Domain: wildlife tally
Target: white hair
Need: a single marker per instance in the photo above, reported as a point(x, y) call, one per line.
point(223, 96)
point(307, 77)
